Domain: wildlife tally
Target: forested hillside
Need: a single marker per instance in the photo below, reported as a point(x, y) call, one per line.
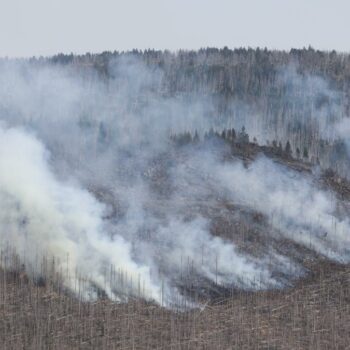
point(197, 199)
point(301, 96)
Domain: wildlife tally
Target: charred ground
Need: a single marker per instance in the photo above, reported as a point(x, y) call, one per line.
point(310, 312)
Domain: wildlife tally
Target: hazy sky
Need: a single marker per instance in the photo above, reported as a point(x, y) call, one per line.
point(46, 27)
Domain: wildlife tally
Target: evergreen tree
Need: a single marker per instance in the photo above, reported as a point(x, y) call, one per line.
point(288, 149)
point(233, 134)
point(243, 137)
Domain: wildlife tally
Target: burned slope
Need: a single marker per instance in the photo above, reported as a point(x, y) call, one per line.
point(180, 187)
point(312, 314)
point(101, 183)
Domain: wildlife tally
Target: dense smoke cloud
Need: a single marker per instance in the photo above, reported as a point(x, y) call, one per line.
point(87, 171)
point(297, 208)
point(40, 215)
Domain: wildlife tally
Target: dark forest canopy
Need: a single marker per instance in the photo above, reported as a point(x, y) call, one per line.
point(284, 91)
point(243, 73)
point(297, 96)
point(260, 63)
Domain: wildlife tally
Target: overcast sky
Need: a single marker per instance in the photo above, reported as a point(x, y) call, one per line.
point(46, 27)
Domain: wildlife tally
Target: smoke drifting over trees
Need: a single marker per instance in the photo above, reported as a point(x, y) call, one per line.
point(118, 165)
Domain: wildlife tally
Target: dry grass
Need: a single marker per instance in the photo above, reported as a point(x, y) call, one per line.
point(314, 314)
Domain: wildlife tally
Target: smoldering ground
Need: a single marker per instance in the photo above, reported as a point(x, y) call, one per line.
point(88, 171)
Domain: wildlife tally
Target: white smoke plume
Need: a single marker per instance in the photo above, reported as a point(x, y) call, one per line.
point(87, 175)
point(40, 214)
point(296, 207)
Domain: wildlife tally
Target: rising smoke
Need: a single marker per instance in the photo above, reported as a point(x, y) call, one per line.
point(88, 175)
